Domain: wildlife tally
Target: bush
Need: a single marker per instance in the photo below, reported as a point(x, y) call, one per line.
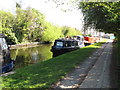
point(51, 33)
point(68, 31)
point(11, 39)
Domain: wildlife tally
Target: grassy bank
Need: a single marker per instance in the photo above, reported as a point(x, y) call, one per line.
point(44, 74)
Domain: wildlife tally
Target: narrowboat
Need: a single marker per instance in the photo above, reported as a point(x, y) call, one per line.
point(90, 40)
point(6, 63)
point(64, 45)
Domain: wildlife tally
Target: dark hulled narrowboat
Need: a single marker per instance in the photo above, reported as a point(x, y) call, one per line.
point(6, 63)
point(64, 45)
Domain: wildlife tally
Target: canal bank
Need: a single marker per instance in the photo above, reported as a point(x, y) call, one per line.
point(24, 45)
point(44, 74)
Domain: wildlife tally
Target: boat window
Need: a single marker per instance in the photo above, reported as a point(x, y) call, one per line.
point(68, 44)
point(72, 43)
point(59, 44)
point(3, 43)
point(76, 43)
point(78, 38)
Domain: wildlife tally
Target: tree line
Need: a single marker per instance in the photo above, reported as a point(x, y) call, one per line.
point(29, 25)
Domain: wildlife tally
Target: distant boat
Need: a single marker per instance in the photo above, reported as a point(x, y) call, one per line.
point(90, 40)
point(64, 45)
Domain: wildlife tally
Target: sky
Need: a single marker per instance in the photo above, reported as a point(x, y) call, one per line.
point(54, 15)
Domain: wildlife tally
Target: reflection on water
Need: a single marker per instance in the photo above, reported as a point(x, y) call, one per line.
point(26, 56)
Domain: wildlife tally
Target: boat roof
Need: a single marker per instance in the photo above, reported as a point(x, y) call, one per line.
point(78, 36)
point(64, 39)
point(2, 35)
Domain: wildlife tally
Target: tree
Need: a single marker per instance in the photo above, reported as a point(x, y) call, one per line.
point(51, 32)
point(6, 26)
point(103, 16)
point(28, 24)
point(68, 31)
point(37, 25)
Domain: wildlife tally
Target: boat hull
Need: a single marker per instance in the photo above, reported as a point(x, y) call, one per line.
point(60, 51)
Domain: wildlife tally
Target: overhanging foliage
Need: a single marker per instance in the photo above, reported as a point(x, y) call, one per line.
point(104, 16)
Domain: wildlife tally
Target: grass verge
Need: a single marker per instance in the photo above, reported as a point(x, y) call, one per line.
point(44, 74)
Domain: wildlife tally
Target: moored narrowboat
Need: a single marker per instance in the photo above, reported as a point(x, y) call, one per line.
point(6, 63)
point(64, 45)
point(90, 40)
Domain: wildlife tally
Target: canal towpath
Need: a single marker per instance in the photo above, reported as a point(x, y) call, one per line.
point(94, 72)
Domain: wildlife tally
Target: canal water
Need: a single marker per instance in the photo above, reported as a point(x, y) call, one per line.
point(26, 56)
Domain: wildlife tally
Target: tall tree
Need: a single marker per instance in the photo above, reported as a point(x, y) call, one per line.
point(103, 16)
point(27, 23)
point(6, 26)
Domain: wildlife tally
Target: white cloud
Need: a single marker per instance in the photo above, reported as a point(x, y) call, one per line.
point(7, 4)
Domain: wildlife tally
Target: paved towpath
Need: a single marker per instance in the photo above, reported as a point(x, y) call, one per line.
point(92, 73)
